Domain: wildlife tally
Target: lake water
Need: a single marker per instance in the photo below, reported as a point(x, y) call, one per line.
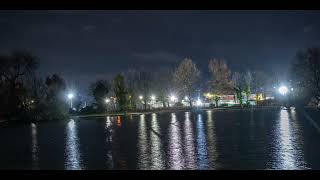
point(233, 139)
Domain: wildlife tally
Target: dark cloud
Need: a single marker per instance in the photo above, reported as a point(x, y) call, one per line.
point(3, 20)
point(85, 45)
point(156, 56)
point(308, 28)
point(89, 28)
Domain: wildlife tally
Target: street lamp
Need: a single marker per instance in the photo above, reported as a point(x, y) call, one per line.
point(70, 97)
point(140, 97)
point(198, 103)
point(153, 98)
point(173, 98)
point(283, 90)
point(107, 100)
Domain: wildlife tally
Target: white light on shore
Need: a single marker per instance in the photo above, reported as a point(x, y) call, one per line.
point(107, 100)
point(140, 97)
point(283, 90)
point(70, 95)
point(173, 98)
point(199, 102)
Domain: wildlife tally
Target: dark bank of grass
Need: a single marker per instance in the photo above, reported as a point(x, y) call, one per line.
point(168, 110)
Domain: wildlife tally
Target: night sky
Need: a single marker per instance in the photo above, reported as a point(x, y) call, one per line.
point(85, 45)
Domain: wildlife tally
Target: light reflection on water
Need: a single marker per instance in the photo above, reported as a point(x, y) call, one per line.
point(202, 153)
point(181, 140)
point(176, 159)
point(108, 131)
point(289, 154)
point(189, 143)
point(143, 147)
point(35, 147)
point(156, 146)
point(211, 136)
point(73, 156)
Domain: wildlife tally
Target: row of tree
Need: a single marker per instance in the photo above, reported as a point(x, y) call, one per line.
point(25, 95)
point(136, 87)
point(305, 75)
point(184, 81)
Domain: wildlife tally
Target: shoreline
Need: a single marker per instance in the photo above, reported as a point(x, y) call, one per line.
point(163, 111)
point(173, 110)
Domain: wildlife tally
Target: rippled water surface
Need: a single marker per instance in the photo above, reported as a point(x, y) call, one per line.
point(233, 139)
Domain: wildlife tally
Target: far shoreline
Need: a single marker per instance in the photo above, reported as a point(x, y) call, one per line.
point(2, 121)
point(174, 110)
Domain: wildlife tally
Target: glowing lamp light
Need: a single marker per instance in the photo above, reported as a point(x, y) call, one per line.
point(186, 98)
point(107, 100)
point(153, 98)
point(198, 102)
point(283, 90)
point(140, 97)
point(173, 98)
point(70, 96)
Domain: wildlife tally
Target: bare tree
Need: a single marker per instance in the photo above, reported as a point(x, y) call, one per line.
point(14, 70)
point(238, 83)
point(163, 85)
point(120, 91)
point(143, 83)
point(306, 72)
point(186, 77)
point(221, 79)
point(247, 87)
point(99, 90)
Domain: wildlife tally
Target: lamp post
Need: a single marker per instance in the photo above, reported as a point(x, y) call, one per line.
point(153, 98)
point(107, 102)
point(173, 99)
point(283, 90)
point(70, 97)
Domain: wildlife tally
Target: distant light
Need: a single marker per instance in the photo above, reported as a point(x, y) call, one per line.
point(153, 97)
point(70, 95)
point(291, 89)
point(208, 95)
point(199, 103)
point(107, 100)
point(283, 90)
point(140, 97)
point(186, 98)
point(173, 98)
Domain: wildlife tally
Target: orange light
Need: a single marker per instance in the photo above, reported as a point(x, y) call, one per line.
point(119, 121)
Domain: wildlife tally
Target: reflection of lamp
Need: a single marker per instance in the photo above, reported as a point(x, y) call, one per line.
point(119, 121)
